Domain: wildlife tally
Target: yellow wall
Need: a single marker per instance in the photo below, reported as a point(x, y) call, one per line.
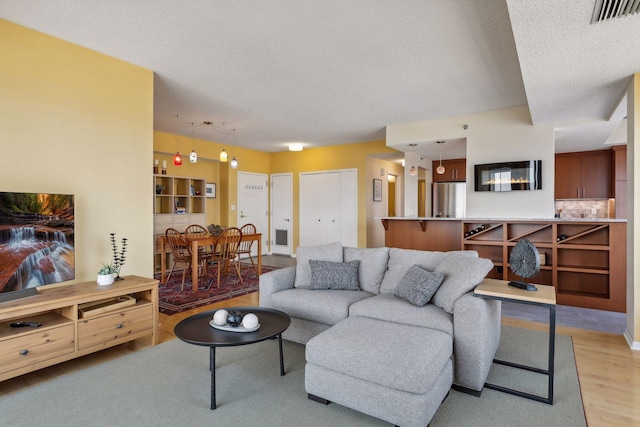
point(349, 156)
point(76, 121)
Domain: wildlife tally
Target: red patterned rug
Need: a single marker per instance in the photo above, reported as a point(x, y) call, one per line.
point(173, 301)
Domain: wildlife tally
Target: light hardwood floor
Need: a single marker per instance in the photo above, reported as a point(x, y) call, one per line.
point(608, 370)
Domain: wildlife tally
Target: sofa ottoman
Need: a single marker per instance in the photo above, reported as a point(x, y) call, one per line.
point(395, 372)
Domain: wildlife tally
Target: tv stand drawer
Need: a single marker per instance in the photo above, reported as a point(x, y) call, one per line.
point(107, 329)
point(35, 347)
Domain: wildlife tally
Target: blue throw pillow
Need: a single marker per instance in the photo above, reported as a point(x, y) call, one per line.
point(334, 275)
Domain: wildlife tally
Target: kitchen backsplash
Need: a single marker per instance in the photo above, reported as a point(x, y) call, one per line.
point(584, 208)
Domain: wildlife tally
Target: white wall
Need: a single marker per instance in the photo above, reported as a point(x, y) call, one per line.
point(494, 136)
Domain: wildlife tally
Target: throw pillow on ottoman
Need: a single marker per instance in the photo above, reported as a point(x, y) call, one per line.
point(395, 372)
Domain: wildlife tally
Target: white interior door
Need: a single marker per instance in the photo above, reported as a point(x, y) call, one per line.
point(253, 205)
point(281, 214)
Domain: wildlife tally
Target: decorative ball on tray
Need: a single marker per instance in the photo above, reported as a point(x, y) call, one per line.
point(250, 321)
point(220, 317)
point(234, 319)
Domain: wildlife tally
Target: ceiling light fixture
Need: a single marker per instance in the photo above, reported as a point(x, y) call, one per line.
point(440, 169)
point(223, 156)
point(295, 146)
point(412, 171)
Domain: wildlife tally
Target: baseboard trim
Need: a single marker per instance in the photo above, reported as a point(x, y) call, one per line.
point(633, 345)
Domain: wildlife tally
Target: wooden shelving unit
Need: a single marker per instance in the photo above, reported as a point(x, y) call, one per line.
point(64, 334)
point(181, 203)
point(584, 261)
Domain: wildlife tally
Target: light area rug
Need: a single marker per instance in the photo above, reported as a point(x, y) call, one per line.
point(169, 385)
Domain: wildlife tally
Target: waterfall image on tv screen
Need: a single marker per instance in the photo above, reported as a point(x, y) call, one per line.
point(36, 240)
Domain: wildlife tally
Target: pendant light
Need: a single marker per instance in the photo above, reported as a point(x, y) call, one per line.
point(234, 162)
point(223, 154)
point(177, 159)
point(440, 169)
point(412, 171)
point(193, 157)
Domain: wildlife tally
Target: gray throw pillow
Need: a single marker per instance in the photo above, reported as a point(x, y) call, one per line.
point(418, 285)
point(329, 252)
point(334, 275)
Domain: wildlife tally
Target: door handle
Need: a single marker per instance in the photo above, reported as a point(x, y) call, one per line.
point(286, 219)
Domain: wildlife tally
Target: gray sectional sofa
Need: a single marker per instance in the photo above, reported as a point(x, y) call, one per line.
point(372, 344)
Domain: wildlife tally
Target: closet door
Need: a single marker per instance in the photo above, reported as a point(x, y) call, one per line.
point(328, 208)
point(349, 208)
point(319, 208)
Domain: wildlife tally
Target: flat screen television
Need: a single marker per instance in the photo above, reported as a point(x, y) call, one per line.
point(36, 241)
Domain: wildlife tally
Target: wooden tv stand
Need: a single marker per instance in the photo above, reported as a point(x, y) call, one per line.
point(75, 320)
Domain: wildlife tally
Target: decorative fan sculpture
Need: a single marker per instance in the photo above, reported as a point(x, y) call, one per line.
point(524, 261)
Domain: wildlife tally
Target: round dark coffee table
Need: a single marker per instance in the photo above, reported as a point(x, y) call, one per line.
point(196, 330)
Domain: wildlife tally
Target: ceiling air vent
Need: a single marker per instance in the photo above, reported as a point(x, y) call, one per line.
point(609, 9)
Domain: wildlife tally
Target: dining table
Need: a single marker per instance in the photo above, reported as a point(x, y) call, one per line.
point(197, 240)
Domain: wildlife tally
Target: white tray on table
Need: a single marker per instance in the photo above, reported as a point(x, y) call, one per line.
point(233, 328)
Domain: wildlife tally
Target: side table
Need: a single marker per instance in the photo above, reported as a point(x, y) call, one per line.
point(545, 296)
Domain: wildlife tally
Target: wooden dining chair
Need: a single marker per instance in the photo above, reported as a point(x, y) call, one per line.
point(227, 251)
point(204, 252)
point(245, 245)
point(180, 252)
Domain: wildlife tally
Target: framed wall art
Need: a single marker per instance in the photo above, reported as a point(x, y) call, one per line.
point(377, 190)
point(210, 190)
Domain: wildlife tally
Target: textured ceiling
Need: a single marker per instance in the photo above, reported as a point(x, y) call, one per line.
point(332, 72)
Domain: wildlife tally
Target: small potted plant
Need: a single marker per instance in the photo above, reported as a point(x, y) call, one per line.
point(159, 188)
point(105, 274)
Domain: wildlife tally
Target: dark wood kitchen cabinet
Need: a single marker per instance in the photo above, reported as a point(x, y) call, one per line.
point(583, 175)
point(455, 170)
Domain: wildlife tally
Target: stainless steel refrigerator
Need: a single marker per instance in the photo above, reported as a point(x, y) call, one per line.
point(449, 199)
